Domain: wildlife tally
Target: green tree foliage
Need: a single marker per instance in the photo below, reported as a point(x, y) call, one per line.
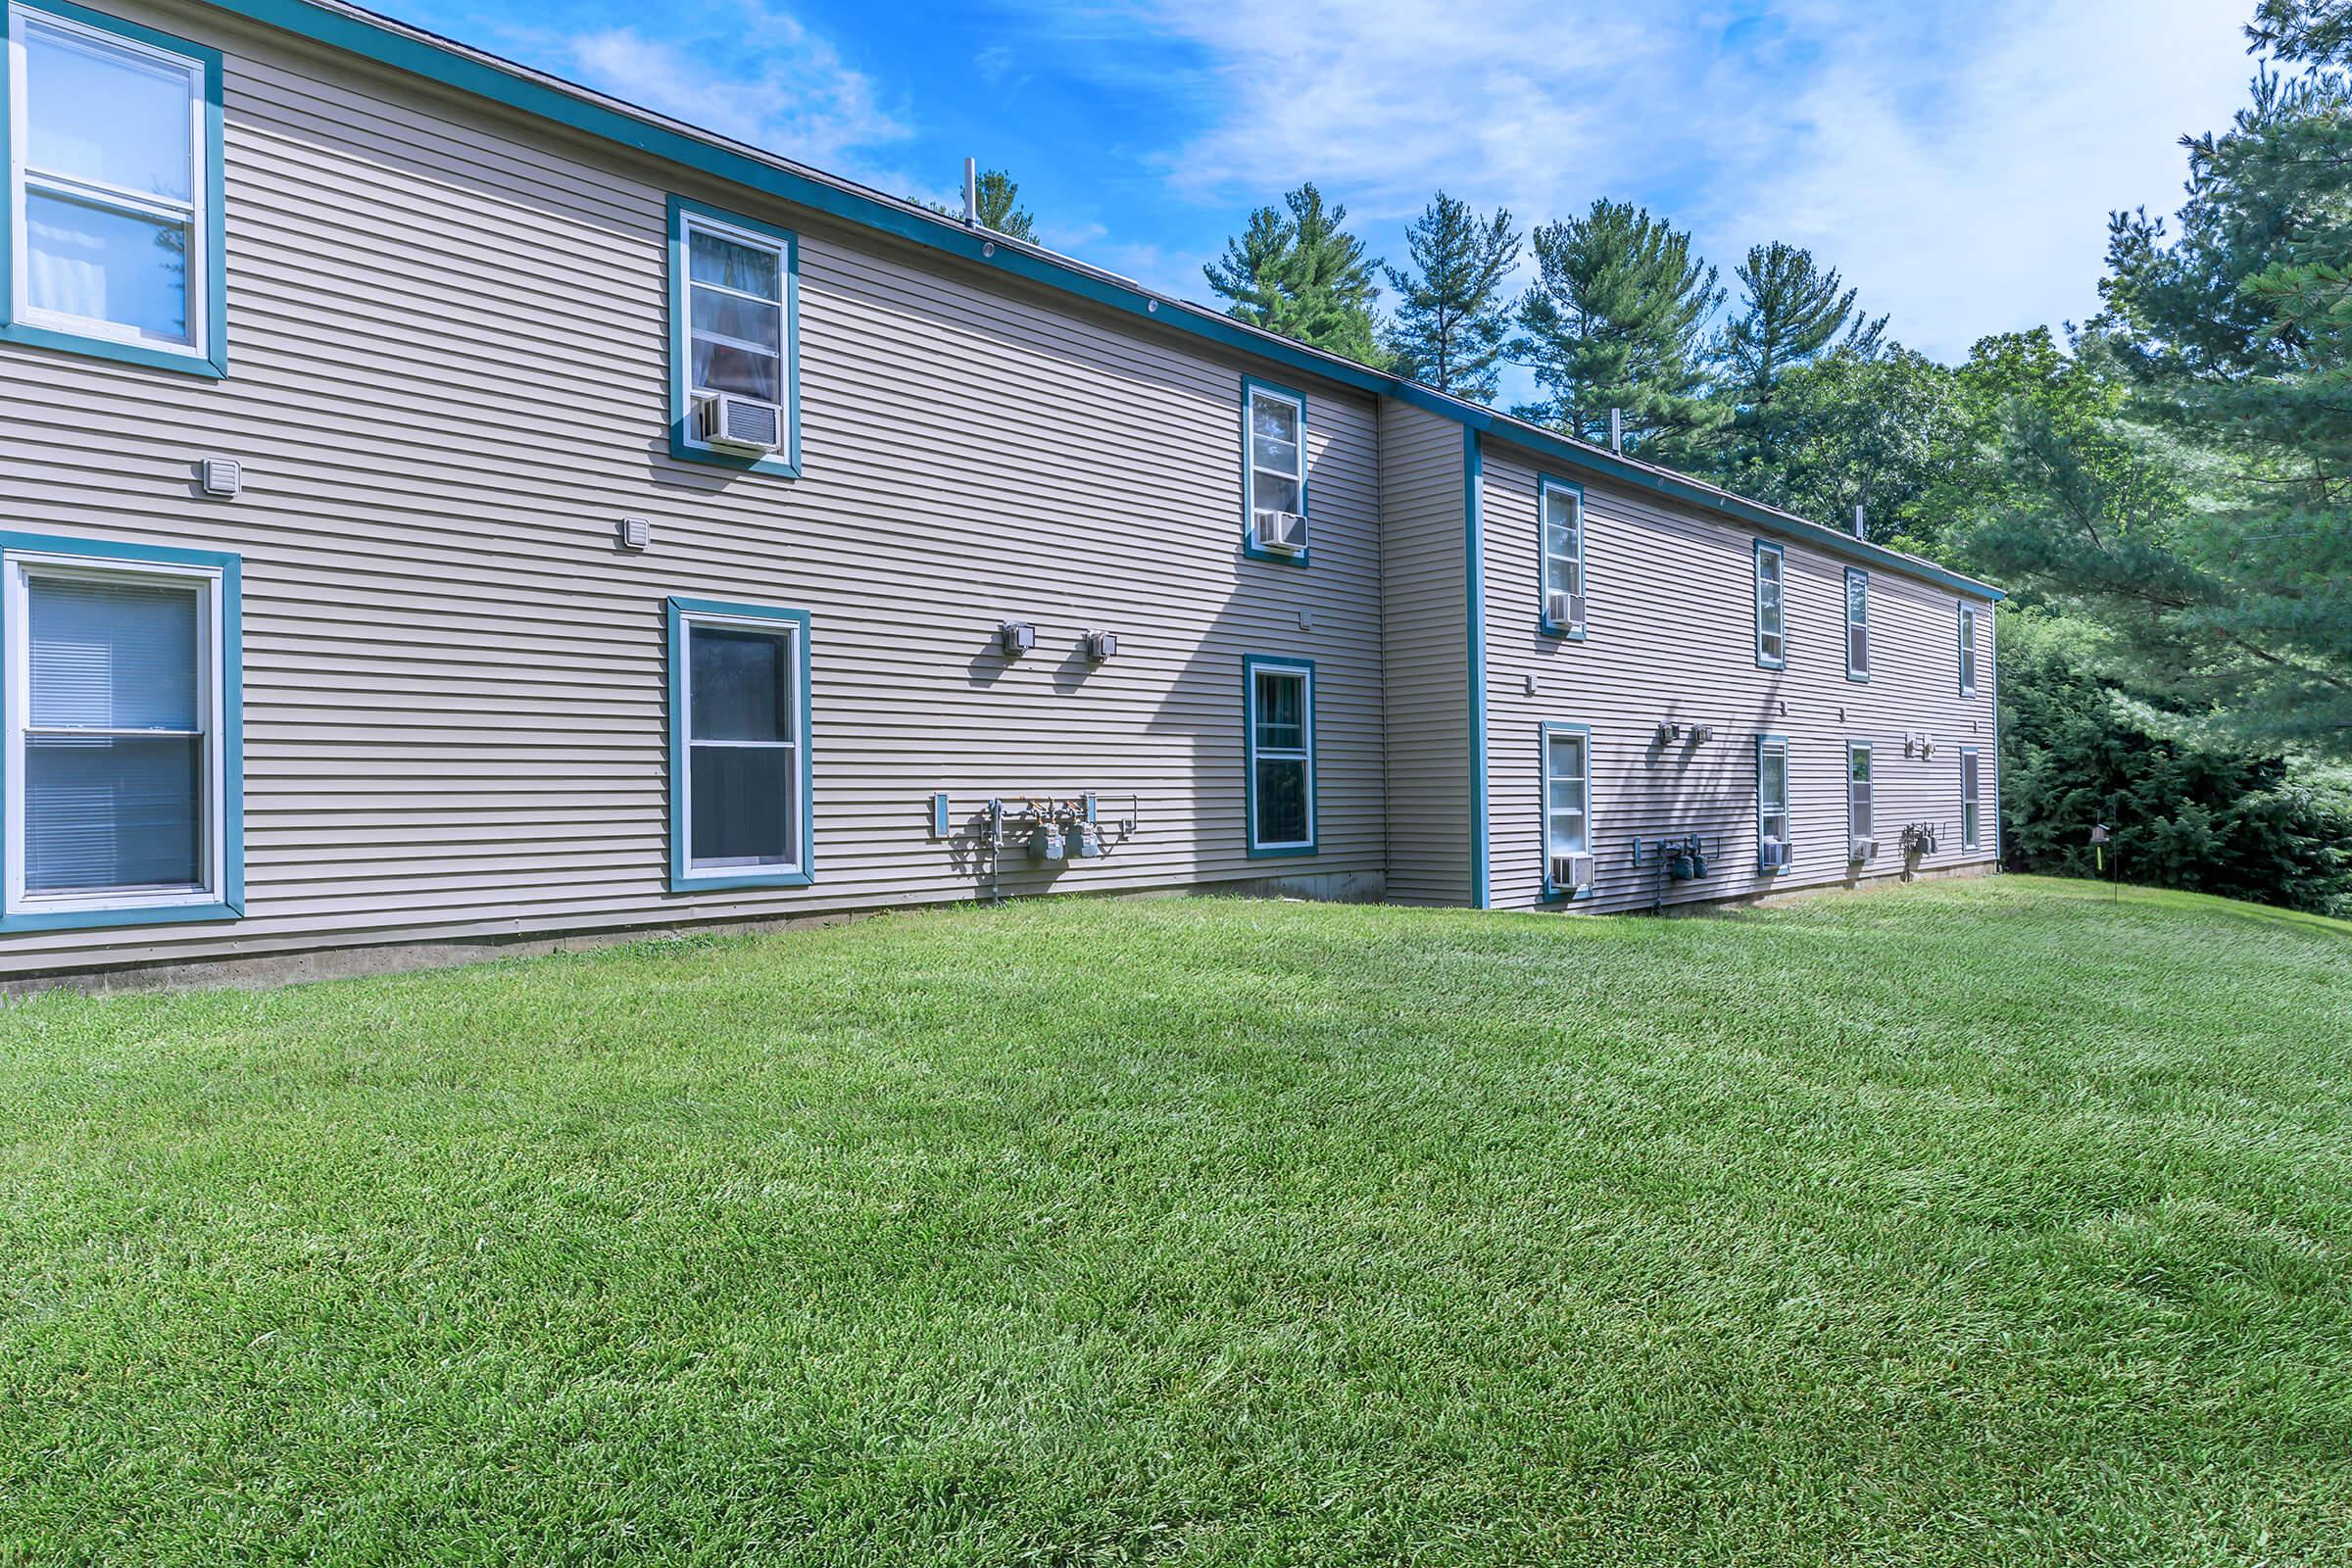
point(1617, 319)
point(1883, 431)
point(1297, 271)
point(2183, 812)
point(2302, 30)
point(1451, 316)
point(2233, 598)
point(1001, 209)
point(1792, 311)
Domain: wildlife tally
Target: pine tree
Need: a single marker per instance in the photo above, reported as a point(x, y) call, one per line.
point(1301, 274)
point(1617, 320)
point(1451, 316)
point(2228, 594)
point(998, 196)
point(1792, 311)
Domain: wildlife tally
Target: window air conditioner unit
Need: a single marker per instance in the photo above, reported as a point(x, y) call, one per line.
point(1564, 609)
point(1285, 531)
point(1572, 871)
point(1773, 855)
point(738, 424)
point(1861, 849)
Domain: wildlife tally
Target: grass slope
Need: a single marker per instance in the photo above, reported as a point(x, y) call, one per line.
point(1980, 1222)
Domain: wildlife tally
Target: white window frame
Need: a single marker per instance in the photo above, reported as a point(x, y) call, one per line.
point(1968, 651)
point(1778, 608)
point(1304, 753)
point(1855, 575)
point(1583, 810)
point(1768, 809)
point(1972, 798)
point(24, 177)
point(689, 221)
point(790, 633)
point(16, 700)
point(1572, 563)
point(1251, 393)
point(1867, 797)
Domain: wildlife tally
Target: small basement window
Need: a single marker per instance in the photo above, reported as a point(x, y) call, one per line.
point(1857, 624)
point(1274, 461)
point(739, 746)
point(1772, 645)
point(1279, 786)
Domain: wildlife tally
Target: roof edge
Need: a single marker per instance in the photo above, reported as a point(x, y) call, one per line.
point(400, 46)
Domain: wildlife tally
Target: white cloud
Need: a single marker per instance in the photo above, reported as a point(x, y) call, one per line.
point(1956, 163)
point(791, 93)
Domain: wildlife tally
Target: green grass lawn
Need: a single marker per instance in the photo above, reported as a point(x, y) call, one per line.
point(1968, 1223)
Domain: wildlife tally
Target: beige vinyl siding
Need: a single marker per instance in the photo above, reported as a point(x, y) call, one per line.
point(1671, 636)
point(448, 348)
point(1425, 648)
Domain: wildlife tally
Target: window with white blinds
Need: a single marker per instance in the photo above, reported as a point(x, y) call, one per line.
point(115, 719)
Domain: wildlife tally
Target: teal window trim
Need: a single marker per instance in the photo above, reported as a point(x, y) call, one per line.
point(1251, 665)
point(1854, 575)
point(1769, 742)
point(1565, 631)
point(229, 869)
point(208, 295)
point(1780, 556)
point(1972, 838)
point(785, 465)
point(1553, 893)
point(1967, 632)
point(683, 878)
point(1254, 388)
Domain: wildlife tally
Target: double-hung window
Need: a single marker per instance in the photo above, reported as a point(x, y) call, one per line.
point(1563, 524)
point(1273, 472)
point(1773, 846)
point(1279, 696)
point(121, 773)
point(1857, 623)
point(1772, 588)
point(739, 746)
point(734, 352)
point(1971, 811)
point(1862, 843)
point(112, 219)
point(1567, 812)
point(1968, 651)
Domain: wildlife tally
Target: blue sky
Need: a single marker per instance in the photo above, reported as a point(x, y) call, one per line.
point(1956, 162)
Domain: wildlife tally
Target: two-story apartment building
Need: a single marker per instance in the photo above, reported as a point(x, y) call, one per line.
point(444, 506)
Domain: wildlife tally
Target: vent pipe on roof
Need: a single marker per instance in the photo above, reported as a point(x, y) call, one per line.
point(971, 192)
point(1861, 528)
point(1617, 430)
